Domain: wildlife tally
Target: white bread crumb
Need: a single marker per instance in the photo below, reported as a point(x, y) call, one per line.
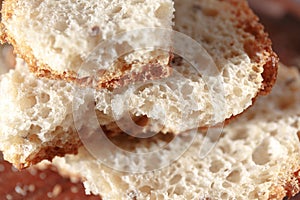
point(255, 158)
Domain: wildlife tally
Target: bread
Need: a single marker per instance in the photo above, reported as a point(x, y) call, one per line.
point(57, 38)
point(50, 55)
point(37, 117)
point(257, 157)
point(37, 120)
point(176, 104)
point(35, 113)
point(240, 51)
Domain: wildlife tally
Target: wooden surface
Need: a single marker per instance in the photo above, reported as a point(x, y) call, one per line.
point(33, 184)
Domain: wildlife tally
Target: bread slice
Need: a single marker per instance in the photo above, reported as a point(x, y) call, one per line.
point(257, 157)
point(57, 38)
point(36, 117)
point(33, 128)
point(37, 121)
point(241, 57)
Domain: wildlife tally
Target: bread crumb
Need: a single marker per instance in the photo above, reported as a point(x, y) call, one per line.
point(9, 197)
point(20, 190)
point(31, 188)
point(43, 176)
point(56, 191)
point(49, 195)
point(32, 171)
point(74, 189)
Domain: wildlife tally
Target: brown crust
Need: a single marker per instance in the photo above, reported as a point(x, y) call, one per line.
point(147, 72)
point(49, 153)
point(288, 189)
point(244, 18)
point(261, 45)
point(43, 70)
point(49, 150)
point(293, 186)
point(57, 147)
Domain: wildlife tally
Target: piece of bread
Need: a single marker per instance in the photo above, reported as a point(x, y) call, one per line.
point(37, 121)
point(183, 101)
point(56, 38)
point(36, 117)
point(257, 157)
point(246, 67)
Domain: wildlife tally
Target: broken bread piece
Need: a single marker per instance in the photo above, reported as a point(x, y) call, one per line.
point(37, 120)
point(243, 66)
point(175, 104)
point(230, 32)
point(257, 157)
point(57, 39)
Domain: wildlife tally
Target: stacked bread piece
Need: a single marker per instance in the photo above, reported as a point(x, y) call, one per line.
point(257, 157)
point(37, 120)
point(57, 38)
point(46, 113)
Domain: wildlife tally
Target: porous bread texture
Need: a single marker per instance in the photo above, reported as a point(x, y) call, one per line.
point(175, 104)
point(36, 118)
point(56, 37)
point(241, 51)
point(257, 157)
point(37, 112)
point(285, 97)
point(231, 33)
